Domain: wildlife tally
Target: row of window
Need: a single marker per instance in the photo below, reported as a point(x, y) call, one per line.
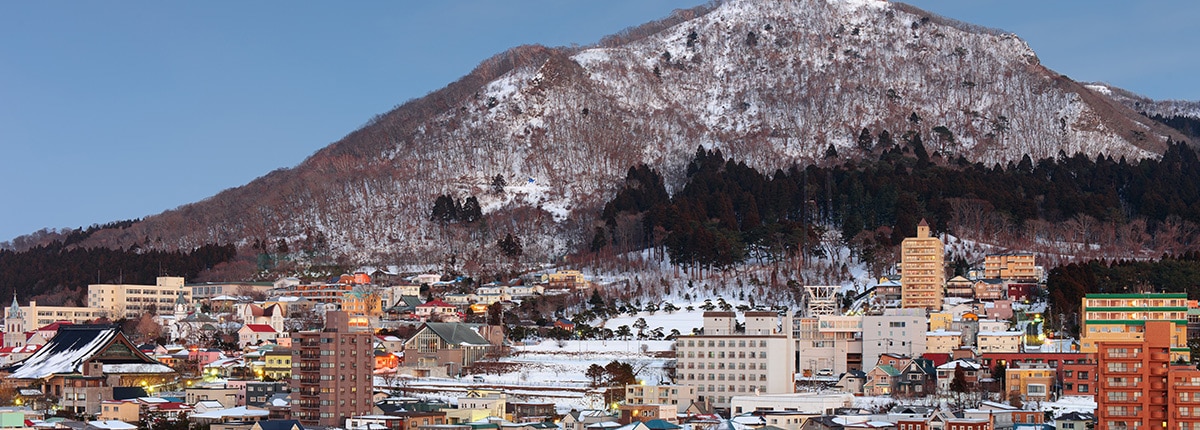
point(721, 343)
point(721, 377)
point(721, 354)
point(721, 366)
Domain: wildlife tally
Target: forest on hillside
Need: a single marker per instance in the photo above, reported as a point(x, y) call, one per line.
point(59, 273)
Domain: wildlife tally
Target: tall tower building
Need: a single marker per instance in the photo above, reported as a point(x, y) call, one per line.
point(331, 373)
point(922, 270)
point(14, 325)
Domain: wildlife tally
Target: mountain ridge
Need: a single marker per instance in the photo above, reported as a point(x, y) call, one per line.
point(774, 86)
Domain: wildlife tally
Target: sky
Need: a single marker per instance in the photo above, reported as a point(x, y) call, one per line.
point(112, 111)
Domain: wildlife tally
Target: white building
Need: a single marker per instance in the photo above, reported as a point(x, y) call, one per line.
point(131, 301)
point(828, 344)
point(813, 403)
point(897, 331)
point(723, 362)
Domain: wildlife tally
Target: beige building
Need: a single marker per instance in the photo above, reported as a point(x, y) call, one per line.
point(41, 316)
point(722, 362)
point(1123, 317)
point(120, 410)
point(828, 345)
point(131, 301)
point(942, 341)
point(1015, 266)
point(999, 341)
point(922, 270)
point(680, 396)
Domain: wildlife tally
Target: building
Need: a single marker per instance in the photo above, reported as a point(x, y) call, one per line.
point(1032, 382)
point(959, 286)
point(1123, 317)
point(998, 341)
point(234, 289)
point(1018, 266)
point(942, 341)
point(828, 344)
point(277, 364)
point(678, 395)
point(131, 301)
point(1139, 388)
point(14, 325)
point(331, 373)
point(449, 347)
point(922, 270)
point(83, 363)
point(897, 331)
point(722, 362)
point(35, 315)
point(257, 334)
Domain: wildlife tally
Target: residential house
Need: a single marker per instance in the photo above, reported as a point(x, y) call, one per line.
point(882, 381)
point(999, 341)
point(917, 379)
point(853, 382)
point(435, 310)
point(971, 373)
point(257, 334)
point(1031, 381)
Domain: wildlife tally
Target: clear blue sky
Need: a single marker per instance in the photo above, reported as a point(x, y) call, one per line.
point(113, 111)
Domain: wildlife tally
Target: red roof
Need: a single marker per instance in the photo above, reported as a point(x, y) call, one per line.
point(172, 406)
point(54, 326)
point(436, 303)
point(260, 328)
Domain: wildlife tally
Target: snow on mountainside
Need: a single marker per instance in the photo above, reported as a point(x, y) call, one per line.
point(774, 83)
point(1145, 105)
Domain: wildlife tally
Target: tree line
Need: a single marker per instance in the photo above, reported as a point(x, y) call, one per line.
point(60, 273)
point(727, 213)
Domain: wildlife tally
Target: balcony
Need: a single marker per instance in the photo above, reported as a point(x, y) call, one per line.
point(1158, 400)
point(1158, 371)
point(1158, 386)
point(1160, 356)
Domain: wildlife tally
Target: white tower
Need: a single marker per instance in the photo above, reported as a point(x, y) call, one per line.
point(822, 300)
point(14, 325)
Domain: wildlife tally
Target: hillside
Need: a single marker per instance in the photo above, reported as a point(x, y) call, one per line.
point(772, 83)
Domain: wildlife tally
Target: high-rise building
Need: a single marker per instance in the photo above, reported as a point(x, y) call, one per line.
point(1139, 386)
point(922, 270)
point(1123, 317)
point(897, 331)
point(331, 373)
point(723, 362)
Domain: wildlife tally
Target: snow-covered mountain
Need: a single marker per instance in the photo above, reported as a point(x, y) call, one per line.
point(771, 82)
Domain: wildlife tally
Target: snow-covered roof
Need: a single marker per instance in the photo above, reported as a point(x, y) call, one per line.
point(112, 425)
point(238, 412)
point(66, 352)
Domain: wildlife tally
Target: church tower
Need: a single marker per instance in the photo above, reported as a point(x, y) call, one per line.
point(14, 325)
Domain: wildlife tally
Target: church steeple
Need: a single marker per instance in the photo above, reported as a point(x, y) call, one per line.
point(14, 325)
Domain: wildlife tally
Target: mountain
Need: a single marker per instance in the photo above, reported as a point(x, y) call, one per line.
point(773, 83)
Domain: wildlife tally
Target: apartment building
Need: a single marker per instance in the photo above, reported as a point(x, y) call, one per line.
point(331, 373)
point(131, 301)
point(1123, 317)
point(1019, 266)
point(922, 270)
point(897, 331)
point(723, 362)
point(680, 396)
point(1139, 388)
point(828, 344)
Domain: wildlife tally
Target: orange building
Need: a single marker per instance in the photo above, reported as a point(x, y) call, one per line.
point(1139, 388)
point(1014, 267)
point(922, 270)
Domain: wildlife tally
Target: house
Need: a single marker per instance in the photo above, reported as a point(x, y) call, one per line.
point(257, 334)
point(945, 374)
point(1031, 381)
point(917, 379)
point(881, 381)
point(435, 309)
point(449, 347)
point(1075, 421)
point(271, 315)
point(852, 382)
point(959, 286)
point(580, 420)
